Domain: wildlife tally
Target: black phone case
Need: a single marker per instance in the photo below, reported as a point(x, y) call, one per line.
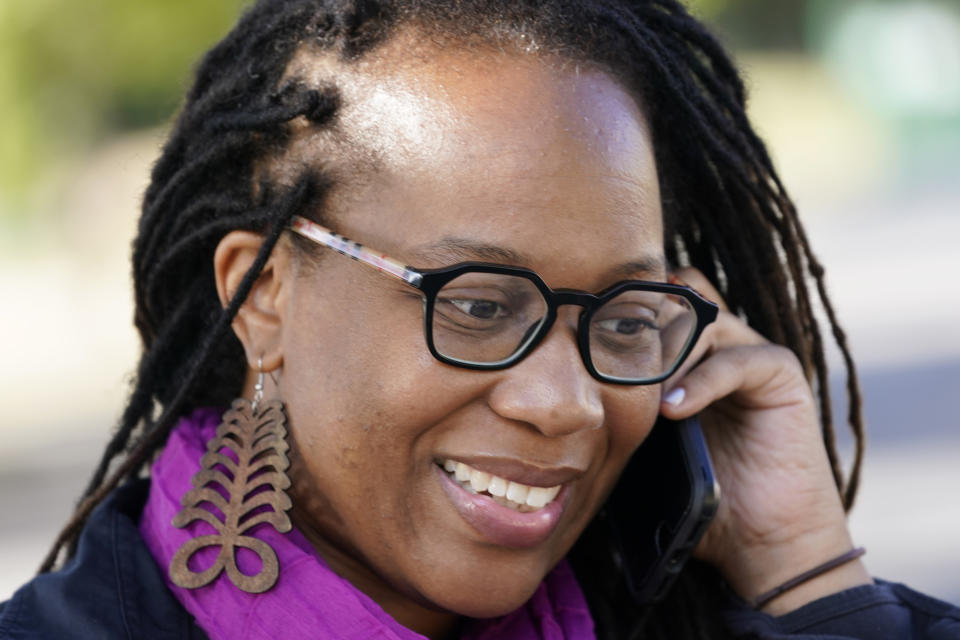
point(662, 506)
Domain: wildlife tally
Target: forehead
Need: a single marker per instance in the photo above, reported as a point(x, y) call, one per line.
point(541, 156)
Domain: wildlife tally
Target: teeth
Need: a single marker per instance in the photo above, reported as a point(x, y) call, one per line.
point(541, 496)
point(517, 492)
point(480, 481)
point(510, 494)
point(497, 486)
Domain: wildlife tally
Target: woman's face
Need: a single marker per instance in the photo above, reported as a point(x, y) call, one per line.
point(504, 158)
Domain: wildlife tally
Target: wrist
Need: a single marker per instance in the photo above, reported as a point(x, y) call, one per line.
point(807, 586)
point(798, 572)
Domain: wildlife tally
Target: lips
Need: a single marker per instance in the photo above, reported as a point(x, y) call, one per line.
point(503, 511)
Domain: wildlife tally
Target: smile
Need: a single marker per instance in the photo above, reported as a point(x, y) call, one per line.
point(520, 497)
point(510, 519)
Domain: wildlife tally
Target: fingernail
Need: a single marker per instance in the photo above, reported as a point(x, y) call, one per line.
point(675, 397)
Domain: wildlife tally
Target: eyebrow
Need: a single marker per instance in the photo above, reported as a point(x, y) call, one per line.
point(461, 249)
point(647, 265)
point(453, 249)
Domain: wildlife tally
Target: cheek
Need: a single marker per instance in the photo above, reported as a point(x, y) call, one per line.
point(346, 405)
point(343, 386)
point(364, 399)
point(348, 347)
point(633, 417)
point(630, 418)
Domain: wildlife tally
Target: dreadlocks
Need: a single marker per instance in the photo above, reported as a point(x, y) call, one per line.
point(726, 213)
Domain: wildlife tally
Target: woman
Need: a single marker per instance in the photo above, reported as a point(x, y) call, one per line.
point(439, 474)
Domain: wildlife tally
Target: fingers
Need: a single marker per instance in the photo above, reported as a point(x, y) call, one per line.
point(759, 375)
point(729, 358)
point(727, 331)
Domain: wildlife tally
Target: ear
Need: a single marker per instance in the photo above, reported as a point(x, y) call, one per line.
point(259, 322)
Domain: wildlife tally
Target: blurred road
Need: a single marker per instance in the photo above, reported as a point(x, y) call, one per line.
point(908, 514)
point(892, 264)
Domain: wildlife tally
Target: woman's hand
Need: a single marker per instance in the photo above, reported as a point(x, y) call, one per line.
point(780, 512)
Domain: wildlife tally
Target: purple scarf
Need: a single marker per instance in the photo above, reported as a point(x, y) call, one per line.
point(309, 599)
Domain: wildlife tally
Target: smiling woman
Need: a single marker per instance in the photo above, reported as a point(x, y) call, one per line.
point(552, 190)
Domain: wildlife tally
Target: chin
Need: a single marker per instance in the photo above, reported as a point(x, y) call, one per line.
point(482, 603)
point(485, 590)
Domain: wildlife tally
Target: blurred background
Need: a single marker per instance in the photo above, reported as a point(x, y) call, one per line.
point(859, 101)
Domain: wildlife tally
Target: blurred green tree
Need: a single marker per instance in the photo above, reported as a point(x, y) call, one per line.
point(704, 8)
point(72, 71)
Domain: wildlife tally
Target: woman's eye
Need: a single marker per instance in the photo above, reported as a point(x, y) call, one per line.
point(480, 309)
point(626, 326)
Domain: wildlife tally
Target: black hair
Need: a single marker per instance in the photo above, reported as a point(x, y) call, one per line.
point(725, 209)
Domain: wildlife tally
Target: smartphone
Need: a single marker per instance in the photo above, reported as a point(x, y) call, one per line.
point(662, 506)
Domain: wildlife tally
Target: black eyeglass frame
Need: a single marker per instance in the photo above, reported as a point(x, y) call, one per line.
point(431, 281)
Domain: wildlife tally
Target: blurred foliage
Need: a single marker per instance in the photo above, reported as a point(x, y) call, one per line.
point(706, 8)
point(792, 25)
point(755, 24)
point(70, 71)
point(73, 71)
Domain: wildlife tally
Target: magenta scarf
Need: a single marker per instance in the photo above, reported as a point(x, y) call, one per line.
point(309, 599)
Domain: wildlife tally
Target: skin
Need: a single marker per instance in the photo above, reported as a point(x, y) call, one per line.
point(506, 150)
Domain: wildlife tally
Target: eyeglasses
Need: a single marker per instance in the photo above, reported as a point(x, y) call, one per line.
point(488, 316)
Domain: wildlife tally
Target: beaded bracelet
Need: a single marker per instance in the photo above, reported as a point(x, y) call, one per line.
point(758, 602)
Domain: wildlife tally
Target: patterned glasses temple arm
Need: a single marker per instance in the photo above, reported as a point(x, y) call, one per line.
point(324, 237)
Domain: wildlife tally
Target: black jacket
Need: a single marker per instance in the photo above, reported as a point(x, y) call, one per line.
point(112, 589)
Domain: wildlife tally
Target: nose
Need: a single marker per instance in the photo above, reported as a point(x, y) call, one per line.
point(551, 389)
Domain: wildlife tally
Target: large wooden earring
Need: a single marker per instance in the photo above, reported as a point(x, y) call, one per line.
point(253, 477)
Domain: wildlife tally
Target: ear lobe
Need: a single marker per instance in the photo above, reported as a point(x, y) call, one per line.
point(259, 321)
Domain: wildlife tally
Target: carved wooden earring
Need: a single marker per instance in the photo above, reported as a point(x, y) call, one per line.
point(254, 476)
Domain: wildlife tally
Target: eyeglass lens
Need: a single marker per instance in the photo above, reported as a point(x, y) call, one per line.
point(485, 318)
